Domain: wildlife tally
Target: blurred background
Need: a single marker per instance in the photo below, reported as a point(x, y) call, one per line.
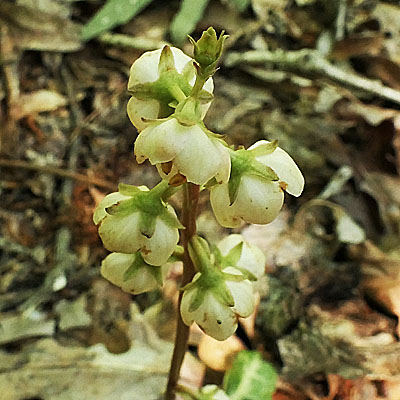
point(320, 76)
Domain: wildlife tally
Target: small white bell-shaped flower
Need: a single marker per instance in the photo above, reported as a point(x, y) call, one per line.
point(157, 80)
point(215, 298)
point(138, 220)
point(236, 252)
point(254, 192)
point(131, 273)
point(178, 150)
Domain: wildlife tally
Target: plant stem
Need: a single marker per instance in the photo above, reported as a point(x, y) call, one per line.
point(189, 212)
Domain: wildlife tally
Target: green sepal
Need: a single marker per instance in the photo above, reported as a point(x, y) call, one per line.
point(170, 219)
point(147, 224)
point(189, 72)
point(205, 97)
point(123, 208)
point(261, 170)
point(223, 294)
point(200, 254)
point(128, 190)
point(167, 62)
point(233, 257)
point(233, 187)
point(197, 300)
point(156, 272)
point(247, 274)
point(137, 264)
point(264, 149)
point(233, 277)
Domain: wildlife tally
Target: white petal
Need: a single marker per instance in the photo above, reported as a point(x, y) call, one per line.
point(157, 249)
point(145, 68)
point(108, 201)
point(142, 281)
point(202, 157)
point(121, 234)
point(242, 293)
point(284, 166)
point(114, 266)
point(224, 169)
point(258, 201)
point(160, 143)
point(138, 109)
point(225, 215)
point(215, 319)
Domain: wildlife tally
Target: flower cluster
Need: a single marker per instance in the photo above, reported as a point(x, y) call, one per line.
point(171, 94)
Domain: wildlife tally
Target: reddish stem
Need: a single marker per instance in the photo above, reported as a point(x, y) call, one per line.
point(189, 213)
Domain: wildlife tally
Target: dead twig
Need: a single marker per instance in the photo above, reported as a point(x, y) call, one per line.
point(57, 171)
point(311, 61)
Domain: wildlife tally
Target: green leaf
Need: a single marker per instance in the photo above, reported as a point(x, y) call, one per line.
point(241, 5)
point(112, 14)
point(250, 378)
point(186, 19)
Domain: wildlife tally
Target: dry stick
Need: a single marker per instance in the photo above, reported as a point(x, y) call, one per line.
point(189, 213)
point(310, 61)
point(57, 171)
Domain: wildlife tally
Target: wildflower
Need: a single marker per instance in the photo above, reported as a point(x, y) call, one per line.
point(138, 220)
point(254, 192)
point(131, 273)
point(158, 81)
point(179, 150)
point(215, 298)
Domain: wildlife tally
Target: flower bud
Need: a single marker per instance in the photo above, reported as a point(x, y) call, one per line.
point(138, 222)
point(254, 192)
point(158, 81)
point(131, 273)
point(208, 49)
point(187, 151)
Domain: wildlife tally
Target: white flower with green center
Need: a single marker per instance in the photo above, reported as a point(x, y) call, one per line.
point(136, 219)
point(236, 252)
point(215, 298)
point(131, 273)
point(254, 192)
point(158, 81)
point(180, 150)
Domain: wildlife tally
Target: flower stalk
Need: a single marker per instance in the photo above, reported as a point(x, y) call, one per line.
point(189, 212)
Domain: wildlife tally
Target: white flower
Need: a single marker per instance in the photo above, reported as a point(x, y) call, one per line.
point(214, 316)
point(189, 150)
point(258, 200)
point(249, 258)
point(146, 70)
point(138, 224)
point(131, 273)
